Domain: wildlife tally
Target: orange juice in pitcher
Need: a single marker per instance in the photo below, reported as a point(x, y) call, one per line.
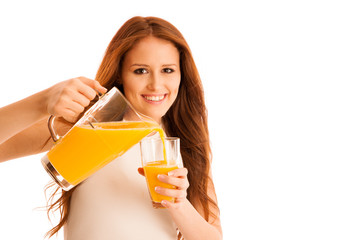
point(95, 147)
point(107, 130)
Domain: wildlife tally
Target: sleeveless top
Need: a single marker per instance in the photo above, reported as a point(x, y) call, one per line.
point(114, 204)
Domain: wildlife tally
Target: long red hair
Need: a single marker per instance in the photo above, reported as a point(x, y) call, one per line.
point(186, 119)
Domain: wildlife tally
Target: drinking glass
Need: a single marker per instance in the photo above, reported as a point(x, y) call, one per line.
point(154, 163)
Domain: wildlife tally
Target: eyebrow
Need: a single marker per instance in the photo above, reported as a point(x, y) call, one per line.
point(139, 65)
point(145, 65)
point(168, 65)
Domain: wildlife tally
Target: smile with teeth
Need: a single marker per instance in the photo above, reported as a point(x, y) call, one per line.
point(154, 98)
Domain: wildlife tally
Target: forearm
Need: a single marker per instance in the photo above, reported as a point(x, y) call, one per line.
point(192, 225)
point(18, 116)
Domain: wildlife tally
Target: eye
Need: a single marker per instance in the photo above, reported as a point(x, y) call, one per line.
point(168, 70)
point(140, 71)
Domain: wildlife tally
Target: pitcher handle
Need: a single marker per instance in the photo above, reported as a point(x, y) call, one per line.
point(56, 137)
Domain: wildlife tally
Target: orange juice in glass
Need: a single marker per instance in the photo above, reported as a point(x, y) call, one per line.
point(155, 162)
point(107, 130)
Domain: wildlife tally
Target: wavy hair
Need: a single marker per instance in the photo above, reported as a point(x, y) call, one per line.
point(186, 118)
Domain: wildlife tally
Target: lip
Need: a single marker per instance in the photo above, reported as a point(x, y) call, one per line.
point(154, 95)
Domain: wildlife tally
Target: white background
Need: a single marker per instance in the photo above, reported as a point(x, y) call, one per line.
point(281, 83)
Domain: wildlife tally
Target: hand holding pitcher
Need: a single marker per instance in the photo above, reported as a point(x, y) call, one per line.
point(69, 98)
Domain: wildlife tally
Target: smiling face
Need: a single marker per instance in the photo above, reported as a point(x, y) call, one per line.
point(151, 76)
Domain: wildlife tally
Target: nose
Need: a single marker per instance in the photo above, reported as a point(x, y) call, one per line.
point(154, 82)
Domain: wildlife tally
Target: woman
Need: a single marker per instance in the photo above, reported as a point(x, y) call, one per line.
point(149, 60)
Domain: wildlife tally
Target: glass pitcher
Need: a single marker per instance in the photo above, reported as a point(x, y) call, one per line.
point(107, 130)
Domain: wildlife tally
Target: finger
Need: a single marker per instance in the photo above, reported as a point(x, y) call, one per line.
point(74, 95)
point(170, 205)
point(81, 99)
point(180, 172)
point(167, 204)
point(141, 171)
point(87, 91)
point(69, 115)
point(75, 107)
point(93, 84)
point(175, 193)
point(100, 88)
point(66, 104)
point(180, 183)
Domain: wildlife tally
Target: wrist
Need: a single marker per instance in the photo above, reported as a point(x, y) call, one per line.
point(41, 101)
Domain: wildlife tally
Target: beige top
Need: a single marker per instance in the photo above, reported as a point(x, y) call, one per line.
point(114, 204)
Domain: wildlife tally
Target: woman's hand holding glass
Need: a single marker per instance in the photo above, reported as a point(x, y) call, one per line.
point(178, 179)
point(164, 172)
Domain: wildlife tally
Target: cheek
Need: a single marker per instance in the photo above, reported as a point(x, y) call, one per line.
point(175, 93)
point(176, 86)
point(130, 88)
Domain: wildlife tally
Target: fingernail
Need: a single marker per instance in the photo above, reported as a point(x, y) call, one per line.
point(157, 189)
point(164, 203)
point(170, 174)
